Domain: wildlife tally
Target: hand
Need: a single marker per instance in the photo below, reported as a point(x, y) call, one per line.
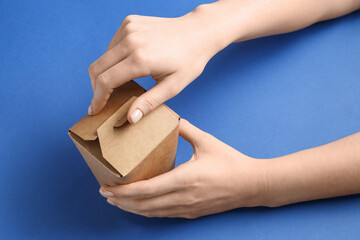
point(174, 51)
point(217, 178)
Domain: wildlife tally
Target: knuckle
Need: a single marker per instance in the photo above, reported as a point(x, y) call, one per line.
point(140, 57)
point(130, 28)
point(130, 18)
point(91, 69)
point(131, 41)
point(150, 104)
point(103, 81)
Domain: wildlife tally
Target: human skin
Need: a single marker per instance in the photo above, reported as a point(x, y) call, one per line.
point(218, 178)
point(174, 51)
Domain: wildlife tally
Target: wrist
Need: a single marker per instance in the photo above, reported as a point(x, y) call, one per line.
point(229, 21)
point(263, 183)
point(283, 182)
point(211, 27)
point(257, 182)
point(269, 191)
point(267, 184)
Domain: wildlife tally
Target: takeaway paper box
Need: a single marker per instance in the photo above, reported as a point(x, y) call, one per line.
point(118, 152)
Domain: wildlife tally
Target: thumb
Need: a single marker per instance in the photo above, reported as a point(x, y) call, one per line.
point(192, 134)
point(144, 104)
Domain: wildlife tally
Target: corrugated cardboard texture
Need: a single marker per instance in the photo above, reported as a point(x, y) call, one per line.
point(118, 152)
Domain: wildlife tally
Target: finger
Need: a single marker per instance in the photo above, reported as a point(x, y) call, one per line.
point(106, 61)
point(120, 32)
point(115, 76)
point(173, 212)
point(117, 36)
point(136, 20)
point(101, 95)
point(147, 205)
point(169, 212)
point(191, 133)
point(159, 185)
point(161, 92)
point(116, 204)
point(123, 29)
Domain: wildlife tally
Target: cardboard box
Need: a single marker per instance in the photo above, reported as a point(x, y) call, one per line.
point(118, 152)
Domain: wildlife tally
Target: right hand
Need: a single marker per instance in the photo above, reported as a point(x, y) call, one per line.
point(217, 178)
point(174, 51)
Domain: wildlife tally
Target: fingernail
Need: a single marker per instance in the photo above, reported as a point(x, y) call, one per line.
point(106, 193)
point(136, 116)
point(90, 111)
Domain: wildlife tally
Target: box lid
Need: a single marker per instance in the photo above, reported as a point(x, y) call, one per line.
point(87, 126)
point(125, 145)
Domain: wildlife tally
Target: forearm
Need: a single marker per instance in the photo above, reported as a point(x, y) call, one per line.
point(231, 21)
point(327, 171)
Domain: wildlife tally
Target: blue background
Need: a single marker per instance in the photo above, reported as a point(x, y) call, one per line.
point(266, 97)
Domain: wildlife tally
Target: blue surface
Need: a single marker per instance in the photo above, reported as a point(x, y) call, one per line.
point(266, 97)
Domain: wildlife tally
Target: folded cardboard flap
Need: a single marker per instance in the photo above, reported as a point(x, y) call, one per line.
point(119, 152)
point(126, 146)
point(121, 121)
point(87, 126)
point(91, 152)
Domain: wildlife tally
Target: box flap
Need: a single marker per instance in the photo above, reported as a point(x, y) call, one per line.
point(126, 146)
point(87, 126)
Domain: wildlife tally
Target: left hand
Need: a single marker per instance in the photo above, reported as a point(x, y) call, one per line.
point(173, 51)
point(217, 178)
